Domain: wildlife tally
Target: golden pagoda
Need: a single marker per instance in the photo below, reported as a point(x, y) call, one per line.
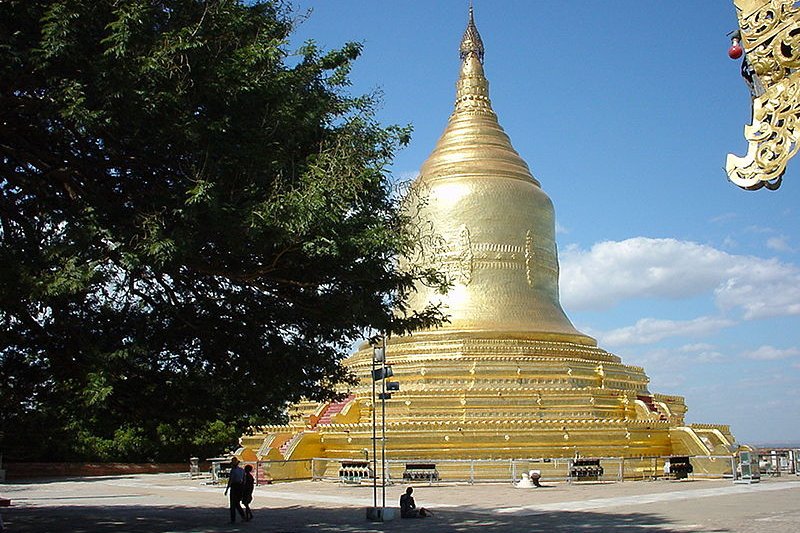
point(509, 376)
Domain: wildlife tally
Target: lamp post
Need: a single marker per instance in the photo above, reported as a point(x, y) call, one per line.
point(376, 352)
point(383, 424)
point(379, 373)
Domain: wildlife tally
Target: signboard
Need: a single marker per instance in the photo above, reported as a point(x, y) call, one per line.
point(748, 467)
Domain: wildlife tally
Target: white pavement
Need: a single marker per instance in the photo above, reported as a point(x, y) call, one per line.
point(173, 503)
point(646, 499)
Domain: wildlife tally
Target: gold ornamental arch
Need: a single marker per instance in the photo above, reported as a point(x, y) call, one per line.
point(769, 31)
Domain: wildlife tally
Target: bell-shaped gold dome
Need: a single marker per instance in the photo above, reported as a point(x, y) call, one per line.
point(494, 224)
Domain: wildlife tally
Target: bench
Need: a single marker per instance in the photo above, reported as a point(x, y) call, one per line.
point(585, 470)
point(354, 471)
point(680, 467)
point(421, 472)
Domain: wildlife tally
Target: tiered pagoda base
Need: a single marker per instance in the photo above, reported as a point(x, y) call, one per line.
point(470, 396)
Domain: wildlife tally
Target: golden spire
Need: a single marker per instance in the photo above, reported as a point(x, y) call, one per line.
point(472, 89)
point(474, 143)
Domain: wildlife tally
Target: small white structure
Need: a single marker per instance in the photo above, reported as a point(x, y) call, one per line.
point(529, 480)
point(525, 482)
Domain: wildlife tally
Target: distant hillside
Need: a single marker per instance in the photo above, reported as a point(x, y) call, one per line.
point(776, 445)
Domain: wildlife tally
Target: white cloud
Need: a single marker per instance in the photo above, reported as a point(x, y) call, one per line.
point(779, 244)
point(769, 381)
point(635, 268)
point(759, 229)
point(710, 357)
point(667, 367)
point(611, 272)
point(729, 243)
point(761, 289)
point(770, 353)
point(724, 218)
point(702, 352)
point(700, 346)
point(650, 330)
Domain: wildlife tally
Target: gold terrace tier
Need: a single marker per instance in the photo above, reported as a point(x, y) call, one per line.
point(495, 399)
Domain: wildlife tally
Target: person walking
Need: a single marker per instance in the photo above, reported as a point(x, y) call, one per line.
point(247, 491)
point(236, 487)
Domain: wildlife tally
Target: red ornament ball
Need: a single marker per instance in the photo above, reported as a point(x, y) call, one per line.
point(735, 51)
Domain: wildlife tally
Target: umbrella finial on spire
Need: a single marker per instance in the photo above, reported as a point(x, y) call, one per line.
point(471, 43)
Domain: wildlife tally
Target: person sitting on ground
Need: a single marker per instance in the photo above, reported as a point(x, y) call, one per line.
point(408, 509)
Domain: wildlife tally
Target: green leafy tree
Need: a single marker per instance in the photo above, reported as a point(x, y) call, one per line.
point(195, 224)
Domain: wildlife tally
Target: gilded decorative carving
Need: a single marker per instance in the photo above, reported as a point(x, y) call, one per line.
point(770, 35)
point(471, 42)
point(465, 257)
point(461, 257)
point(529, 257)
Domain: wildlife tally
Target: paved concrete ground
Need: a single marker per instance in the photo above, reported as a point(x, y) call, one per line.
point(172, 503)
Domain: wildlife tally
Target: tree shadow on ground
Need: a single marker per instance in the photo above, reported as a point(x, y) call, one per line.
point(180, 519)
point(23, 482)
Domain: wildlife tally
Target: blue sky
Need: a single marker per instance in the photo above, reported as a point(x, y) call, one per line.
point(625, 112)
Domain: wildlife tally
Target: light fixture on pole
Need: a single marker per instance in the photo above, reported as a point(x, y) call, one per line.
point(382, 373)
point(379, 354)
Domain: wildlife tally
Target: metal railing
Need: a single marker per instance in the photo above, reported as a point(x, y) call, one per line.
point(471, 471)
